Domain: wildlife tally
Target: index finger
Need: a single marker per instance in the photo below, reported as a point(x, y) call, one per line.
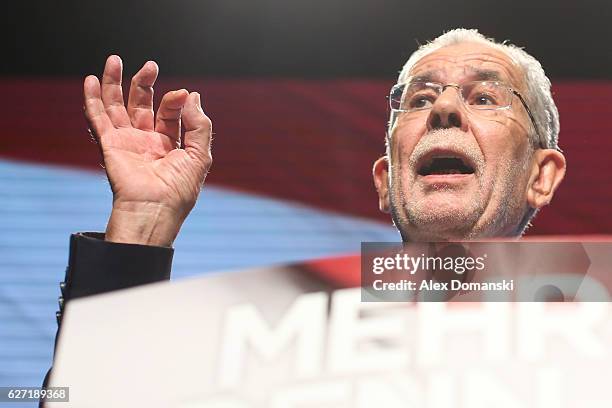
point(140, 99)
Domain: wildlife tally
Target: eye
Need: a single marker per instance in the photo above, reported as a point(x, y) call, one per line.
point(483, 99)
point(421, 102)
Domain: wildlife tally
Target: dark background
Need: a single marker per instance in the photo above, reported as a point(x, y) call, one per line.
point(290, 38)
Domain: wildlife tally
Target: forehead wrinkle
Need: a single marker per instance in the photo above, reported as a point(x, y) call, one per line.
point(502, 63)
point(470, 71)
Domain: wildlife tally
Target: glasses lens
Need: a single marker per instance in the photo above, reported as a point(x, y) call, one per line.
point(479, 95)
point(413, 96)
point(486, 95)
point(395, 96)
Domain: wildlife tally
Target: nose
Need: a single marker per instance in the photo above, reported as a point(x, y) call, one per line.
point(447, 111)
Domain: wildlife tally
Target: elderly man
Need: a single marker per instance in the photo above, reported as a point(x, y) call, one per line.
point(471, 148)
point(471, 153)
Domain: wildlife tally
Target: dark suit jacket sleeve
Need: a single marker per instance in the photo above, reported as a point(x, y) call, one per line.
point(96, 266)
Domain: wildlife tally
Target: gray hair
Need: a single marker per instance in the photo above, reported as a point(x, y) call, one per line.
point(539, 97)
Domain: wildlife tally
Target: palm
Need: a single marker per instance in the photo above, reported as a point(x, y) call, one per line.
point(147, 166)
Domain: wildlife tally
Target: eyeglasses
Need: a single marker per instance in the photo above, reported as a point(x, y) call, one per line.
point(476, 95)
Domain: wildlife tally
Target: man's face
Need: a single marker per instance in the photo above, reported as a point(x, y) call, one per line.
point(432, 199)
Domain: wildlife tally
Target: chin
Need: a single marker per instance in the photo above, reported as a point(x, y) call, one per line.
point(439, 219)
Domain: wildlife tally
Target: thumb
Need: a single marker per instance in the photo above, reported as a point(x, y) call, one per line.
point(198, 130)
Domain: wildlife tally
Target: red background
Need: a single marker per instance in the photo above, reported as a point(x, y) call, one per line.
point(312, 141)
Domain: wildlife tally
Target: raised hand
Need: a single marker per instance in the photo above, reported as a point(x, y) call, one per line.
point(155, 181)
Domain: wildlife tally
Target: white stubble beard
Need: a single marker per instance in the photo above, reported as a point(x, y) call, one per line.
point(418, 223)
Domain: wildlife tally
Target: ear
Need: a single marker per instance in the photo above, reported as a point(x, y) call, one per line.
point(380, 172)
point(547, 173)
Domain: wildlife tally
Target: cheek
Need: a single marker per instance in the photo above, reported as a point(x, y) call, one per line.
point(504, 147)
point(404, 137)
point(500, 142)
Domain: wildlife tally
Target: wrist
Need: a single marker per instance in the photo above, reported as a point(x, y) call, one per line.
point(144, 224)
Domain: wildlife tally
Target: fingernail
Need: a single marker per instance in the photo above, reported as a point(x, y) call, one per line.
point(199, 99)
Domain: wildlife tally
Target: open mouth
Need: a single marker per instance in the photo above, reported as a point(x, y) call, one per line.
point(445, 166)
